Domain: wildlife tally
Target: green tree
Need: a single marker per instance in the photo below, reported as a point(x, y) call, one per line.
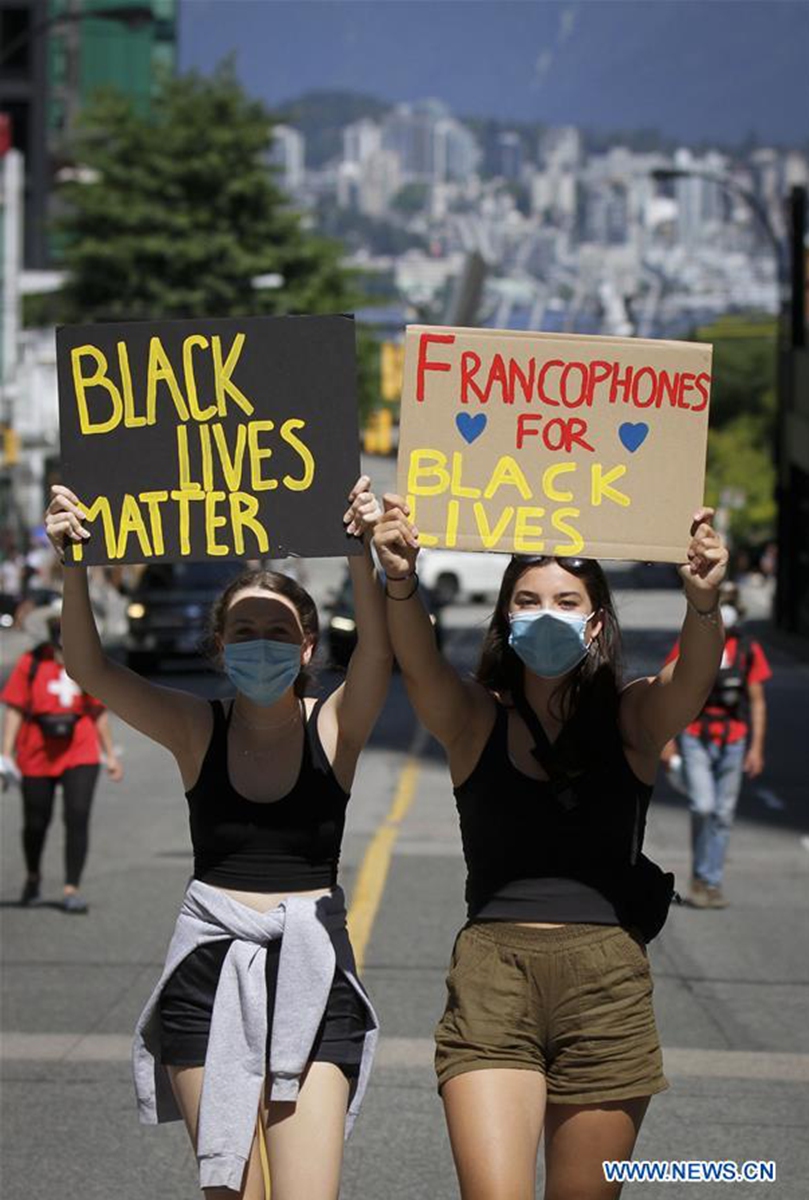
point(743, 368)
point(182, 213)
point(741, 473)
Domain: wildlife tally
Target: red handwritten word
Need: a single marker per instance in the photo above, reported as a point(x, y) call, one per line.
point(564, 384)
point(557, 434)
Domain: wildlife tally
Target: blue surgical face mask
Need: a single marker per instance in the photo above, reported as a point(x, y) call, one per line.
point(549, 643)
point(262, 669)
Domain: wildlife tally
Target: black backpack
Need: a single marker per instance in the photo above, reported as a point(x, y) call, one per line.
point(728, 699)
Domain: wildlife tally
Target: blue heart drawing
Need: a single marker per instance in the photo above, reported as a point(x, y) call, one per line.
point(470, 427)
point(633, 436)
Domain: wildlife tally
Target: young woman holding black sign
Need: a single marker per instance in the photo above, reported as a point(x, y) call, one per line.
point(549, 1019)
point(259, 986)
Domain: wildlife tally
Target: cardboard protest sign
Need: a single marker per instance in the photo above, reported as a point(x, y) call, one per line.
point(189, 440)
point(537, 443)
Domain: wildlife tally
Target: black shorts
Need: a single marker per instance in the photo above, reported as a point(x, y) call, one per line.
point(186, 1005)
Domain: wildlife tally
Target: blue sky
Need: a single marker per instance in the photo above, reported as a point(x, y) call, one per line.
point(694, 69)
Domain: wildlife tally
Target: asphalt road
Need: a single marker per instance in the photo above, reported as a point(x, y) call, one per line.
point(731, 987)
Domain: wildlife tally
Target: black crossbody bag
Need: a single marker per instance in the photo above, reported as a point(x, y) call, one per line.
point(645, 891)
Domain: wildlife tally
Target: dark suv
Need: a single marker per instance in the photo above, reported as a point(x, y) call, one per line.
point(341, 626)
point(168, 610)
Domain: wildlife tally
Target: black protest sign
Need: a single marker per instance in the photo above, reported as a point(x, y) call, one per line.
point(201, 439)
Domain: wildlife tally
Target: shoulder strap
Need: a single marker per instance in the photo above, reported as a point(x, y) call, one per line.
point(36, 659)
point(744, 655)
point(312, 736)
point(543, 748)
point(221, 720)
point(544, 753)
point(33, 667)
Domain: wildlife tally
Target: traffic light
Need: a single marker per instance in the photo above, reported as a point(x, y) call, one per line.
point(391, 370)
point(378, 434)
point(11, 445)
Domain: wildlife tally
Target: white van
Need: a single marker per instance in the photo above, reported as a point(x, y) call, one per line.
point(454, 575)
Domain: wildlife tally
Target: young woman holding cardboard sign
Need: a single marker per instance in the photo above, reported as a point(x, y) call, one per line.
point(259, 986)
point(549, 1021)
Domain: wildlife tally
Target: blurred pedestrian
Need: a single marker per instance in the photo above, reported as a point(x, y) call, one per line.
point(41, 583)
point(720, 747)
point(549, 1025)
point(52, 735)
point(258, 1027)
point(12, 571)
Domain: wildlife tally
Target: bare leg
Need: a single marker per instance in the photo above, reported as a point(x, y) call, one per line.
point(305, 1140)
point(578, 1139)
point(495, 1121)
point(187, 1085)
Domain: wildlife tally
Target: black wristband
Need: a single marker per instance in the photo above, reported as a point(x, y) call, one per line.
point(414, 576)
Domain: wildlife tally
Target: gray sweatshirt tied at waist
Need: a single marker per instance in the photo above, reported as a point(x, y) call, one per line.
point(314, 940)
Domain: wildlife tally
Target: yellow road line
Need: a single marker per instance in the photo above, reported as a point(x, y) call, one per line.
point(373, 873)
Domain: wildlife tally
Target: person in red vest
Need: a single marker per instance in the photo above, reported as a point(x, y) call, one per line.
point(51, 735)
point(724, 743)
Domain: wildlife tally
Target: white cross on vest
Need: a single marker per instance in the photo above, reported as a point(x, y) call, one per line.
point(65, 689)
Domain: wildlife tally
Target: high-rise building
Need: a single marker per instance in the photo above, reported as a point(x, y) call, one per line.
point(380, 180)
point(700, 201)
point(560, 148)
point(430, 144)
point(288, 154)
point(361, 139)
point(509, 155)
point(455, 152)
point(60, 55)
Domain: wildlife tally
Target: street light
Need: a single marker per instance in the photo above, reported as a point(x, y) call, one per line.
point(729, 184)
point(132, 16)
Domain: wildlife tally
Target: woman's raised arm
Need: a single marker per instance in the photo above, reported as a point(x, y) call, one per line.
point(166, 715)
point(446, 705)
point(655, 710)
point(357, 703)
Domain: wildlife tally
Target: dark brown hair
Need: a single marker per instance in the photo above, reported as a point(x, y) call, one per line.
point(588, 697)
point(267, 581)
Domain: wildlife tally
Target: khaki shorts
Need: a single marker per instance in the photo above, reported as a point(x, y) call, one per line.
point(574, 1003)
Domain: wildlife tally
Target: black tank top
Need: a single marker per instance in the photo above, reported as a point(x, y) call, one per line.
point(514, 828)
point(291, 844)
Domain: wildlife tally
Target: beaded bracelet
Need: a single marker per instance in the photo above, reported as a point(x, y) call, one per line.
point(401, 579)
point(707, 616)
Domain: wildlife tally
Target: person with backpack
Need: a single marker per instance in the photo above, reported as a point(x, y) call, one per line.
point(53, 732)
point(722, 745)
point(549, 1028)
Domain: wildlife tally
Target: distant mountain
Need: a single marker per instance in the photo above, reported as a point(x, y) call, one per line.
point(322, 115)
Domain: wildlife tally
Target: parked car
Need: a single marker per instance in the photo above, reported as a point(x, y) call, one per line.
point(341, 625)
point(167, 615)
point(457, 575)
point(655, 576)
